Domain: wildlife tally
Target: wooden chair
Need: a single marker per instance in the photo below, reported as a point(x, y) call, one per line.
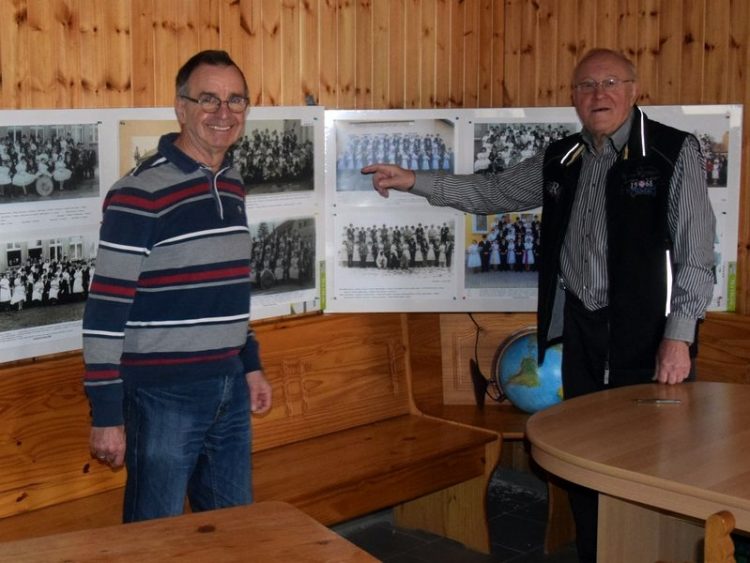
point(718, 546)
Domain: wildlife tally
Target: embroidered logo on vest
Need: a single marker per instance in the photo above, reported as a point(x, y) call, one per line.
point(553, 189)
point(642, 182)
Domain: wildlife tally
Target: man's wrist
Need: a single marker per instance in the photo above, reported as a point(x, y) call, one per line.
point(678, 328)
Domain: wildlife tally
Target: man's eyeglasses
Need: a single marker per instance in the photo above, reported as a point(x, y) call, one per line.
point(211, 104)
point(589, 86)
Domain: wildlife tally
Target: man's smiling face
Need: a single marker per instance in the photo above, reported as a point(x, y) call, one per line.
point(602, 111)
point(206, 137)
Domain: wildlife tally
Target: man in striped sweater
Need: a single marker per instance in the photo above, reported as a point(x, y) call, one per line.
point(624, 203)
point(172, 369)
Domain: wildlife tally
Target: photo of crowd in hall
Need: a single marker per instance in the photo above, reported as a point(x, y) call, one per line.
point(408, 248)
point(45, 162)
point(276, 156)
point(44, 282)
point(421, 145)
point(502, 250)
point(283, 255)
point(498, 146)
point(716, 152)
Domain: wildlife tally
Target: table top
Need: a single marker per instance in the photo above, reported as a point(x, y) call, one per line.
point(271, 531)
point(688, 454)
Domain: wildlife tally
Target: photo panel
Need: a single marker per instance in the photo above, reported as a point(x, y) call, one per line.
point(44, 284)
point(50, 168)
point(419, 140)
point(285, 265)
point(392, 259)
point(719, 132)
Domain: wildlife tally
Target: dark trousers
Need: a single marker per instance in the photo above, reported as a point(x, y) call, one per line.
point(585, 351)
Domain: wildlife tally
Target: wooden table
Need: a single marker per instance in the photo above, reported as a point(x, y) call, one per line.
point(271, 532)
point(661, 469)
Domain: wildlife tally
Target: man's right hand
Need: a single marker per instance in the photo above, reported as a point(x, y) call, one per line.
point(107, 444)
point(390, 177)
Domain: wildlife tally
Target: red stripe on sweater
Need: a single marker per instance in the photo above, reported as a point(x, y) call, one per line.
point(178, 361)
point(109, 289)
point(102, 375)
point(226, 273)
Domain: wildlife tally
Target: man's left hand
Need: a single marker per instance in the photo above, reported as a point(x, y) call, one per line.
point(260, 392)
point(672, 361)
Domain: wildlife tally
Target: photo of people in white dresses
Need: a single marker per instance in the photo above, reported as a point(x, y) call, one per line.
point(502, 250)
point(276, 156)
point(48, 162)
point(498, 146)
point(44, 281)
point(422, 144)
point(283, 255)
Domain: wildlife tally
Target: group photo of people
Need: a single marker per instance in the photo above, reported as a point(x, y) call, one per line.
point(507, 254)
point(48, 161)
point(397, 247)
point(715, 152)
point(44, 281)
point(283, 255)
point(430, 149)
point(498, 146)
point(276, 157)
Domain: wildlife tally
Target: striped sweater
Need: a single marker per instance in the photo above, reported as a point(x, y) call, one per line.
point(170, 299)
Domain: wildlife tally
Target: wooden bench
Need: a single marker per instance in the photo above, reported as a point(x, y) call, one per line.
point(343, 439)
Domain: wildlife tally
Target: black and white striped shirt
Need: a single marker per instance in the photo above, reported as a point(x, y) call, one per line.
point(584, 254)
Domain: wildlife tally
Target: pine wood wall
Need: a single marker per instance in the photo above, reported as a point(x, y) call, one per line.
point(377, 53)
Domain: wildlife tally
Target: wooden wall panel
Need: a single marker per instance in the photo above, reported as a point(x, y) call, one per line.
point(310, 61)
point(346, 53)
point(364, 59)
point(413, 46)
point(291, 80)
point(442, 54)
point(546, 73)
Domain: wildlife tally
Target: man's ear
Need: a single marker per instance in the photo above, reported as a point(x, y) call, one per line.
point(179, 109)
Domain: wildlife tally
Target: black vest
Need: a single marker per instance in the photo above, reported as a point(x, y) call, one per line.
point(638, 238)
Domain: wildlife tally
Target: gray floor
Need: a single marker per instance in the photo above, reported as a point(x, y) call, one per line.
point(517, 511)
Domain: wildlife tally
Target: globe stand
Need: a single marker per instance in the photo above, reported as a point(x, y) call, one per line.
point(480, 383)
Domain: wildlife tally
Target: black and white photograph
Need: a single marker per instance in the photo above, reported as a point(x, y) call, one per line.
point(48, 162)
point(400, 249)
point(283, 255)
point(44, 281)
point(276, 156)
point(417, 144)
point(498, 146)
point(383, 259)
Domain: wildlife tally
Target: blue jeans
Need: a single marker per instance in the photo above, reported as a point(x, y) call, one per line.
point(189, 439)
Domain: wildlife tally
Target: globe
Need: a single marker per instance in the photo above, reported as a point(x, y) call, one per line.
point(524, 382)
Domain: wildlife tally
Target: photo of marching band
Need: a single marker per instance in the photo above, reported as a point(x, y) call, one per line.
point(42, 162)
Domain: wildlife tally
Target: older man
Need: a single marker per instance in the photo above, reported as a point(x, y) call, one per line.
point(172, 370)
point(623, 201)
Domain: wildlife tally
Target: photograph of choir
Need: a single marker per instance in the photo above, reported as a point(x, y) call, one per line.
point(425, 145)
point(413, 248)
point(276, 156)
point(498, 146)
point(283, 255)
point(505, 256)
point(44, 282)
point(40, 162)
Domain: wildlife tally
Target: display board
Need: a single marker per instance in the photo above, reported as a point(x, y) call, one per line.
point(322, 238)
